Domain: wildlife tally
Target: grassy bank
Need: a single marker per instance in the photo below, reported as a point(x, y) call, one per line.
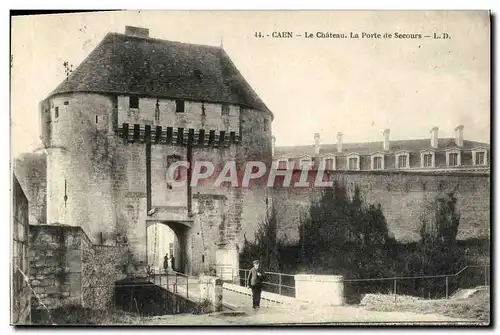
point(476, 307)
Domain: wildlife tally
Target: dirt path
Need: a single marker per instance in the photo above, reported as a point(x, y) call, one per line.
point(312, 315)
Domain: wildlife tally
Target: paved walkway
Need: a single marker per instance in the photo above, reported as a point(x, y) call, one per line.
point(276, 313)
point(292, 315)
point(191, 289)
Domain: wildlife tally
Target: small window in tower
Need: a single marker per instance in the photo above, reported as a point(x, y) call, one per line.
point(133, 102)
point(225, 109)
point(66, 103)
point(157, 110)
point(265, 124)
point(179, 106)
point(56, 109)
point(96, 119)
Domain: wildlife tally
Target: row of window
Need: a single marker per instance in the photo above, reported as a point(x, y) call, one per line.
point(377, 161)
point(180, 107)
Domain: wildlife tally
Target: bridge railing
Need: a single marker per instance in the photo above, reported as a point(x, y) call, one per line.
point(274, 282)
point(171, 280)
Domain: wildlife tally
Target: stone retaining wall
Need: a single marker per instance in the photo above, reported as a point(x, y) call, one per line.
point(66, 268)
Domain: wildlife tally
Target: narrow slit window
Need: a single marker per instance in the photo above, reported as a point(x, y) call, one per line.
point(157, 110)
point(96, 119)
point(56, 110)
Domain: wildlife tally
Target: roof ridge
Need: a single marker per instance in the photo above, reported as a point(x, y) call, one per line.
point(164, 41)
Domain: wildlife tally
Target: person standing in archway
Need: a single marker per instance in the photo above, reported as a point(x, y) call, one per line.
point(172, 262)
point(165, 263)
point(254, 280)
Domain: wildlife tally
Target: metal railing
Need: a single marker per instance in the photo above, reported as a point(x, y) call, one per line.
point(284, 284)
point(446, 278)
point(171, 280)
point(274, 282)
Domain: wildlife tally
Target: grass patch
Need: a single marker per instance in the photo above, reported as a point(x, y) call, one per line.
point(476, 307)
point(77, 315)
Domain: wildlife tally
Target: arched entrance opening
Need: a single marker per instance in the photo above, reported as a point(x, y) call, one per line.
point(167, 246)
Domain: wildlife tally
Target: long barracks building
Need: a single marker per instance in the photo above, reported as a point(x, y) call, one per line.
point(403, 176)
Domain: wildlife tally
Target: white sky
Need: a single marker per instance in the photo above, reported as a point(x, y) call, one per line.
point(359, 87)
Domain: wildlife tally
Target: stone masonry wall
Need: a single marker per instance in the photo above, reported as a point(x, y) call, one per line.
point(64, 265)
point(404, 198)
point(20, 292)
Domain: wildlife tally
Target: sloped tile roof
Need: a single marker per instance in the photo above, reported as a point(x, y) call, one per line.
point(368, 148)
point(125, 64)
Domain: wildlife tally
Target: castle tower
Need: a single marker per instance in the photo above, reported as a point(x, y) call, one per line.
point(116, 124)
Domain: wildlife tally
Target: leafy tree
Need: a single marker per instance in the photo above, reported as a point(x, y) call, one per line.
point(267, 241)
point(440, 225)
point(265, 246)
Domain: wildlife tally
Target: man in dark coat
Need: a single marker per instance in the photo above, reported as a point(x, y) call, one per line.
point(165, 262)
point(172, 263)
point(254, 280)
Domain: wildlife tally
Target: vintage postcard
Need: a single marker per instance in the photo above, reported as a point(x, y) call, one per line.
point(251, 168)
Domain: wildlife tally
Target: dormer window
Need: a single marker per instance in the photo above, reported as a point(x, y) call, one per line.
point(427, 159)
point(453, 158)
point(133, 102)
point(305, 163)
point(403, 160)
point(353, 162)
point(479, 156)
point(282, 164)
point(377, 161)
point(329, 163)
